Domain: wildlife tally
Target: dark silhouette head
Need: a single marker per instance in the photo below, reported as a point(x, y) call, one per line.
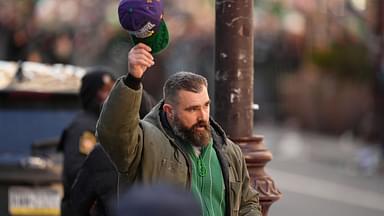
point(158, 200)
point(95, 87)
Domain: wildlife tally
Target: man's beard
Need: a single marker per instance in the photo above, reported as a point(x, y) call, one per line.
point(192, 135)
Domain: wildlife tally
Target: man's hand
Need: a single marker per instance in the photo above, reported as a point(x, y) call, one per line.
point(139, 60)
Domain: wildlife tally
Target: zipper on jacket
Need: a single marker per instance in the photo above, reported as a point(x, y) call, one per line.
point(225, 166)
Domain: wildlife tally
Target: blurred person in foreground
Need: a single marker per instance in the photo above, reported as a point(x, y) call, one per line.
point(78, 139)
point(157, 200)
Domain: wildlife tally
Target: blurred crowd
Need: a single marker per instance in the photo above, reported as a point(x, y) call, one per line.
point(68, 31)
point(294, 43)
point(87, 32)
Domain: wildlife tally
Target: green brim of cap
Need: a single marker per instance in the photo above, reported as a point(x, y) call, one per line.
point(158, 41)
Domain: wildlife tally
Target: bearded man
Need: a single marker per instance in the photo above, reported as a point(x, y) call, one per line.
point(177, 142)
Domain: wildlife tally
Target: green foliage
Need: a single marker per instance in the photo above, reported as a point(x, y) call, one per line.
point(349, 61)
point(277, 9)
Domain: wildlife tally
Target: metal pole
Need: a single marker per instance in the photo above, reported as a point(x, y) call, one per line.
point(378, 87)
point(234, 65)
point(234, 91)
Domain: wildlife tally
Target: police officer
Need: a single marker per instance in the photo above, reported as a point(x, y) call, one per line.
point(90, 182)
point(78, 139)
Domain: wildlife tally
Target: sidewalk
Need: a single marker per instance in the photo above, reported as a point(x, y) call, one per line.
point(345, 152)
point(322, 174)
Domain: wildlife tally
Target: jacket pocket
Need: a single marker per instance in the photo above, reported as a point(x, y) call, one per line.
point(235, 197)
point(173, 171)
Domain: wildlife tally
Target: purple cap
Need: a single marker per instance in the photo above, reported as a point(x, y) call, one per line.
point(143, 20)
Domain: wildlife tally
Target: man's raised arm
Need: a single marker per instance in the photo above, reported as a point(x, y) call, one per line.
point(118, 126)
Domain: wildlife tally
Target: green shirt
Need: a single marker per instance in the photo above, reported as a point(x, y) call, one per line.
point(207, 181)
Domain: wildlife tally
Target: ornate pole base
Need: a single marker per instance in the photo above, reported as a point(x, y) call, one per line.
point(257, 156)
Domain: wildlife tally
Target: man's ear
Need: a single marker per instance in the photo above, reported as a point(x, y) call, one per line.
point(168, 109)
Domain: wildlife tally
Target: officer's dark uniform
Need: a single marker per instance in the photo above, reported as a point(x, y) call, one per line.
point(96, 184)
point(83, 124)
point(78, 137)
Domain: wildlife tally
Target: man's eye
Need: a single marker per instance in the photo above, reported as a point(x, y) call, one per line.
point(192, 109)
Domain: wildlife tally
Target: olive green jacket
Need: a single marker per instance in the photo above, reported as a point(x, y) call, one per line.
point(146, 151)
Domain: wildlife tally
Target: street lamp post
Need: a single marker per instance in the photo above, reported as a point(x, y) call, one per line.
point(234, 91)
point(378, 87)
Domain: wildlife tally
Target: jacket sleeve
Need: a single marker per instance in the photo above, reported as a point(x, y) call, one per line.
point(250, 205)
point(83, 196)
point(118, 127)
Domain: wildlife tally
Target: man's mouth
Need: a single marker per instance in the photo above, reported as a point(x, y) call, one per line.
point(201, 126)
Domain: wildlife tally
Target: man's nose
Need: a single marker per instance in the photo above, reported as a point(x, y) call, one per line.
point(203, 115)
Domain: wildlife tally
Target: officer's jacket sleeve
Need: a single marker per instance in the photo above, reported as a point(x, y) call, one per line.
point(118, 128)
point(83, 196)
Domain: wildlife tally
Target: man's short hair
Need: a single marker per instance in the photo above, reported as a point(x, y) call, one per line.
point(182, 81)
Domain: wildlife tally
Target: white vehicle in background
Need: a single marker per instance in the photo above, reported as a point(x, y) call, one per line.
point(36, 102)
